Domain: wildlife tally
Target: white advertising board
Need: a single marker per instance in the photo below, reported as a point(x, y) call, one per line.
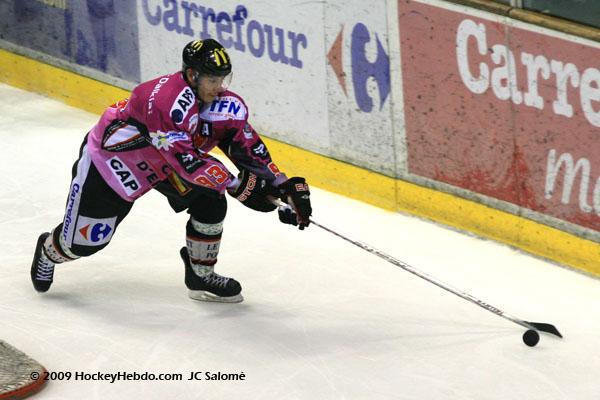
point(359, 85)
point(277, 51)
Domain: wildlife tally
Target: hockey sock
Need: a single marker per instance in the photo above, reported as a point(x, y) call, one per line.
point(55, 249)
point(203, 241)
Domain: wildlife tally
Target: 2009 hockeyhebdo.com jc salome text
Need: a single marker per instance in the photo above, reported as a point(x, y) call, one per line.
point(114, 377)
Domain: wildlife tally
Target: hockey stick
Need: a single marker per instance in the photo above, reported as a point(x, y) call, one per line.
point(538, 326)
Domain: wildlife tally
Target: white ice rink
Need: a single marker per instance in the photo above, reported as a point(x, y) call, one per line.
point(322, 319)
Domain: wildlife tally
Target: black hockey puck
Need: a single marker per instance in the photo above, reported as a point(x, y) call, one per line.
point(531, 338)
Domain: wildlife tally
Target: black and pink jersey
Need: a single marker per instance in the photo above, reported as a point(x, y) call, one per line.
point(161, 132)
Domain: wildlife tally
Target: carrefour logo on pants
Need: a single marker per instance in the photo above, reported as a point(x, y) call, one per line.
point(94, 231)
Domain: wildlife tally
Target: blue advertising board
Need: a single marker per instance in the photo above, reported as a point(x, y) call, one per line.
point(99, 34)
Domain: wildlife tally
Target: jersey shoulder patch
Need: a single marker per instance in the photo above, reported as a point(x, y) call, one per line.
point(226, 107)
point(182, 104)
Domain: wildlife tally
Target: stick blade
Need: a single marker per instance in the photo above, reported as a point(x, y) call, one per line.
point(543, 327)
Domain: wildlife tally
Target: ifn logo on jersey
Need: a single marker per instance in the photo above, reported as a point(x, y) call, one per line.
point(362, 69)
point(94, 231)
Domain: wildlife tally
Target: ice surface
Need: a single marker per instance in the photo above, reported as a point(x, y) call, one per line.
point(322, 319)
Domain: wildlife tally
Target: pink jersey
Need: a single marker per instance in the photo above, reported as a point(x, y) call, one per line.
point(161, 132)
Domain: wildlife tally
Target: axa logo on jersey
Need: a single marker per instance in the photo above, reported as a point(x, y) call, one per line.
point(94, 231)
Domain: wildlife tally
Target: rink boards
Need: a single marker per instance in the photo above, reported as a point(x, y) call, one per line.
point(462, 116)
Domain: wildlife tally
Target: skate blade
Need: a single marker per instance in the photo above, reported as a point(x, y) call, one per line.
point(202, 295)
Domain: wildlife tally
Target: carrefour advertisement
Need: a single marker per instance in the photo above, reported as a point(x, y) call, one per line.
point(313, 74)
point(359, 91)
point(503, 110)
point(97, 34)
point(277, 52)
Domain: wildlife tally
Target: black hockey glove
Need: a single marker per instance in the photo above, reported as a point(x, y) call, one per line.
point(295, 192)
point(287, 215)
point(252, 192)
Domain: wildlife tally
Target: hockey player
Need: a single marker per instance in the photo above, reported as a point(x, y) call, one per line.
point(159, 138)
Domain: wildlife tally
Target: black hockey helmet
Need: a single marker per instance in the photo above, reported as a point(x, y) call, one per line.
point(207, 57)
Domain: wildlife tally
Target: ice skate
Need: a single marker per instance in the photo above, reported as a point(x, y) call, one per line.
point(210, 286)
point(42, 269)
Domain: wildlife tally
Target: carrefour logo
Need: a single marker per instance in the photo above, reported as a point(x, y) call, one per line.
point(234, 31)
point(94, 231)
point(361, 68)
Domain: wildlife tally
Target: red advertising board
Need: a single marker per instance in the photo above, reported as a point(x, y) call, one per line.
point(502, 110)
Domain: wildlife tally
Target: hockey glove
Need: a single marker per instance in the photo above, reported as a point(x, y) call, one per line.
point(295, 192)
point(252, 192)
point(287, 215)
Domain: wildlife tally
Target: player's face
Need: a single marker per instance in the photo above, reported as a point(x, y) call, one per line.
point(209, 87)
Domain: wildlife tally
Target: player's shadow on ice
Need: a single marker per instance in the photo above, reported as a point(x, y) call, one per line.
point(163, 308)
